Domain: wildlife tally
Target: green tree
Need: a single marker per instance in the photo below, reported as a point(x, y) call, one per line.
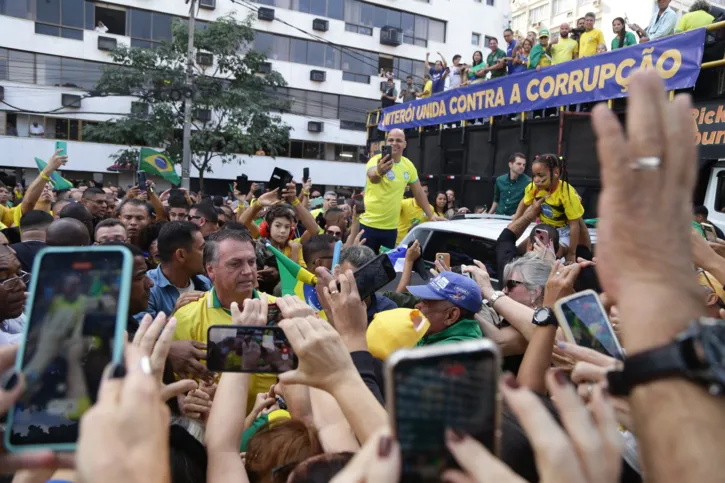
point(240, 99)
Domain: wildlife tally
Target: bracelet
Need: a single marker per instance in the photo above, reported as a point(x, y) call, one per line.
point(255, 204)
point(45, 176)
point(306, 193)
point(295, 202)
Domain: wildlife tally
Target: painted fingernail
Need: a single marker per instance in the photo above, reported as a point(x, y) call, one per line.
point(510, 381)
point(384, 447)
point(561, 344)
point(9, 380)
point(561, 378)
point(456, 435)
point(118, 371)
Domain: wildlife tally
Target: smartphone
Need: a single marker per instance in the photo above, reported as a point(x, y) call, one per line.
point(76, 324)
point(710, 233)
point(584, 322)
point(542, 235)
point(280, 178)
point(63, 146)
point(374, 275)
point(141, 181)
point(274, 315)
point(305, 175)
point(359, 206)
point(434, 388)
point(386, 150)
point(445, 258)
point(243, 184)
point(238, 348)
point(260, 190)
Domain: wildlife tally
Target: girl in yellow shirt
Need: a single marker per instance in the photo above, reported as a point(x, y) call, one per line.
point(562, 207)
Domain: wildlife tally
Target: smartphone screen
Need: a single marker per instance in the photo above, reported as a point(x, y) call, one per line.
point(386, 150)
point(543, 236)
point(435, 393)
point(374, 275)
point(63, 146)
point(235, 348)
point(75, 328)
point(588, 324)
point(243, 184)
point(710, 233)
point(305, 175)
point(141, 181)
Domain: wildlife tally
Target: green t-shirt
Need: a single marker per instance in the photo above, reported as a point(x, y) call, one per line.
point(472, 73)
point(493, 59)
point(629, 39)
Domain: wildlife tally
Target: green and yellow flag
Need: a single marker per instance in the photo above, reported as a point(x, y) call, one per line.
point(295, 280)
point(58, 182)
point(157, 163)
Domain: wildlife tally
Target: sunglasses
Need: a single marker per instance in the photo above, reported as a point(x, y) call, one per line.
point(512, 284)
point(336, 234)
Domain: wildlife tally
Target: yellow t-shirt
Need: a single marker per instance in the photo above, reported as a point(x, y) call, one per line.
point(10, 216)
point(564, 50)
point(194, 319)
point(694, 20)
point(382, 200)
point(589, 41)
point(427, 90)
point(562, 206)
point(410, 215)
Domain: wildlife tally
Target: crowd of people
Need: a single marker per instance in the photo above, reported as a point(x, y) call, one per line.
point(539, 50)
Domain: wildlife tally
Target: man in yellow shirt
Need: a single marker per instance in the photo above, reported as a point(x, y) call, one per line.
point(411, 215)
point(698, 17)
point(428, 89)
point(564, 48)
point(231, 263)
point(591, 38)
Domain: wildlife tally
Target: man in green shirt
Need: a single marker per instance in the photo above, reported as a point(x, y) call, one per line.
point(449, 301)
point(496, 60)
point(509, 189)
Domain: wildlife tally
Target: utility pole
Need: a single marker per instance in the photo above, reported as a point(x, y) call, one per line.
point(186, 160)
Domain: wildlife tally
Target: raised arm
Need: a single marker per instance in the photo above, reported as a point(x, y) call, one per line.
point(155, 201)
point(311, 226)
point(427, 61)
point(35, 190)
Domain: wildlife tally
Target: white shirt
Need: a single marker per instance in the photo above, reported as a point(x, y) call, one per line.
point(37, 130)
point(664, 26)
point(454, 77)
point(187, 289)
point(102, 30)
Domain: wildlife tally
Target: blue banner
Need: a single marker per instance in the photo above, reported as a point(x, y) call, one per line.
point(604, 76)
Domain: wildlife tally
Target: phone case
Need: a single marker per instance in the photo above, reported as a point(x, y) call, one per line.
point(561, 318)
point(118, 338)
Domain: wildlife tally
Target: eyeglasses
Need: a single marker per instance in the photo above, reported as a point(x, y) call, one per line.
point(194, 217)
point(512, 284)
point(22, 276)
point(336, 234)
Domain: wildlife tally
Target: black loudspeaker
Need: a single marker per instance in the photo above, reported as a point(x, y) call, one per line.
point(580, 148)
point(431, 154)
point(477, 193)
point(480, 153)
point(414, 153)
point(543, 138)
point(508, 141)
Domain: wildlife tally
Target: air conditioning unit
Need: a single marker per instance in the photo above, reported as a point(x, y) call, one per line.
point(70, 100)
point(314, 126)
point(536, 24)
point(208, 4)
point(203, 115)
point(318, 75)
point(391, 36)
point(264, 13)
point(569, 14)
point(265, 68)
point(106, 43)
point(320, 24)
point(204, 58)
point(140, 108)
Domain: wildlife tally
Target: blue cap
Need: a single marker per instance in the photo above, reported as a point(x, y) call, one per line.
point(458, 289)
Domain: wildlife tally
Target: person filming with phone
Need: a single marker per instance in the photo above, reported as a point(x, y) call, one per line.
point(388, 174)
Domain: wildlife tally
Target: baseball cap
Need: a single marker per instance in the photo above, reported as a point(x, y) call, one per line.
point(458, 289)
point(543, 33)
point(395, 329)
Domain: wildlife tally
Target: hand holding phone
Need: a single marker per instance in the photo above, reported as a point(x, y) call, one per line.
point(63, 147)
point(709, 230)
point(386, 150)
point(141, 181)
point(374, 275)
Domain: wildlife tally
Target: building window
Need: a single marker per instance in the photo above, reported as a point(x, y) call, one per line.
point(353, 112)
point(148, 29)
point(489, 2)
point(561, 6)
point(345, 152)
point(17, 8)
point(537, 14)
point(60, 18)
point(48, 70)
point(362, 17)
point(475, 39)
point(114, 19)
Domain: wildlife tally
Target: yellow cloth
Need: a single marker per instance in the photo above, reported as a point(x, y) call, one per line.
point(589, 41)
point(564, 50)
point(194, 319)
point(410, 215)
point(427, 90)
point(562, 206)
point(382, 200)
point(395, 329)
point(694, 20)
point(10, 216)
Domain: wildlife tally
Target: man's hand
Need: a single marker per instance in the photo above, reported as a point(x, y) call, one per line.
point(54, 163)
point(718, 246)
point(133, 192)
point(291, 307)
point(385, 164)
point(270, 198)
point(289, 193)
point(254, 313)
point(481, 277)
point(413, 253)
point(187, 298)
point(184, 357)
point(350, 313)
point(438, 218)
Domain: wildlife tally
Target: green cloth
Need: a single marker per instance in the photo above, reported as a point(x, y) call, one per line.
point(699, 229)
point(402, 300)
point(508, 193)
point(258, 424)
point(465, 329)
point(493, 59)
point(159, 164)
point(473, 70)
point(629, 39)
point(535, 57)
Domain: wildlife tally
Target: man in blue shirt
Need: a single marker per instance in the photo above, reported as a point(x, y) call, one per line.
point(508, 36)
point(438, 73)
point(178, 279)
point(661, 25)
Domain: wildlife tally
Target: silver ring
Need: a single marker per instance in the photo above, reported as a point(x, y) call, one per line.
point(648, 163)
point(145, 365)
point(558, 273)
point(590, 390)
point(334, 292)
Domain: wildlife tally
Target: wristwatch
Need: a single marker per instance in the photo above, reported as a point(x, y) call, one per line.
point(496, 295)
point(544, 316)
point(697, 354)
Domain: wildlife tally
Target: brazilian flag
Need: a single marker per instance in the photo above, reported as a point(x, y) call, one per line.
point(295, 280)
point(58, 182)
point(156, 163)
